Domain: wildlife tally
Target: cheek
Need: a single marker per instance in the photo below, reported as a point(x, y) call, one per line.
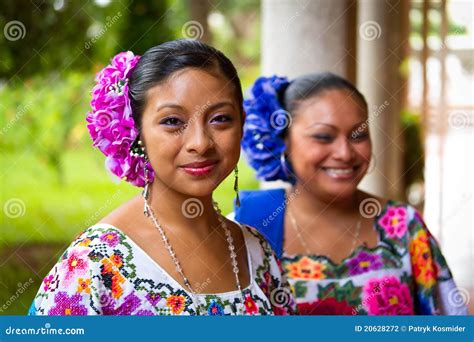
point(364, 151)
point(304, 152)
point(228, 144)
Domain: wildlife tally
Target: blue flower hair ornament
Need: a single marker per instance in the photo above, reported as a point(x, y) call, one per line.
point(265, 123)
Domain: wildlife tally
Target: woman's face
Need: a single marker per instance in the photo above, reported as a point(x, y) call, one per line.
point(328, 144)
point(191, 127)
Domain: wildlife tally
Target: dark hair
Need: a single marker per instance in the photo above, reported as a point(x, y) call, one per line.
point(308, 86)
point(160, 62)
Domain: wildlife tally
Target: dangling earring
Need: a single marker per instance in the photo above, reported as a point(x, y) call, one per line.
point(146, 190)
point(236, 186)
point(138, 150)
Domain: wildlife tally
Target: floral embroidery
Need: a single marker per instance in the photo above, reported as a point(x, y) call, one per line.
point(423, 268)
point(328, 306)
point(111, 238)
point(112, 276)
point(153, 298)
point(250, 305)
point(364, 262)
point(387, 296)
point(47, 282)
point(306, 268)
point(394, 221)
point(215, 309)
point(66, 305)
point(74, 265)
point(406, 268)
point(84, 285)
point(176, 304)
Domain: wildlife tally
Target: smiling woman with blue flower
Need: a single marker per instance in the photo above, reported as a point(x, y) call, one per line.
point(344, 251)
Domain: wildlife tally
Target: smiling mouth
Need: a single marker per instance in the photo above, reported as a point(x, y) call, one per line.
point(341, 173)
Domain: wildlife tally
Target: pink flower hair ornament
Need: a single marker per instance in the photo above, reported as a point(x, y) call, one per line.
point(111, 123)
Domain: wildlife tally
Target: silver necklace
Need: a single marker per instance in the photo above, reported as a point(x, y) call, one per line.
point(179, 268)
point(299, 235)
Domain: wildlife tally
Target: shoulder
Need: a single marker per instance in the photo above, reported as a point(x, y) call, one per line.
point(258, 245)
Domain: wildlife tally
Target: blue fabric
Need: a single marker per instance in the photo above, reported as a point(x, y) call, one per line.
point(264, 210)
point(32, 310)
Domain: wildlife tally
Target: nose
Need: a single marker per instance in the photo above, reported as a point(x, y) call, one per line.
point(197, 139)
point(343, 151)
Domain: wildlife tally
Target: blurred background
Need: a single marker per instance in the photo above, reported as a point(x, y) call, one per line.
point(413, 60)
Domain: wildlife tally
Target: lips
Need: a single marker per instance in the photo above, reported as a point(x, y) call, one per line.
point(200, 168)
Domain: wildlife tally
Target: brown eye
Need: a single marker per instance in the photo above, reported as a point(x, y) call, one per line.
point(222, 118)
point(171, 121)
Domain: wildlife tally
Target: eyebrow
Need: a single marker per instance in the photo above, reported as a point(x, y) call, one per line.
point(320, 123)
point(211, 107)
point(332, 126)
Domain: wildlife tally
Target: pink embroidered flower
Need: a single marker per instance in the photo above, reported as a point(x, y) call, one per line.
point(394, 222)
point(47, 282)
point(75, 265)
point(111, 238)
point(387, 296)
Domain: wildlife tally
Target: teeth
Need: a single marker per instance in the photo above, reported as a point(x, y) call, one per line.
point(338, 172)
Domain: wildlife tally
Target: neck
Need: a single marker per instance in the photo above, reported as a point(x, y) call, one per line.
point(181, 212)
point(309, 202)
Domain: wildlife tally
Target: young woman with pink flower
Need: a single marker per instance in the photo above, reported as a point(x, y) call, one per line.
point(344, 251)
point(171, 122)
